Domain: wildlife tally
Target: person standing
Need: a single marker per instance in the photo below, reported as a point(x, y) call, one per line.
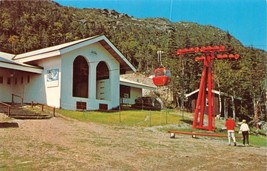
point(244, 128)
point(230, 126)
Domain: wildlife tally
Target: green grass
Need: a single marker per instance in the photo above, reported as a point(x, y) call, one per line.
point(258, 141)
point(144, 118)
point(128, 117)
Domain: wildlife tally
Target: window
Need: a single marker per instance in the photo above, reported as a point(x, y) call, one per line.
point(28, 79)
point(102, 81)
point(1, 80)
point(81, 105)
point(16, 81)
point(80, 77)
point(102, 71)
point(8, 80)
point(125, 91)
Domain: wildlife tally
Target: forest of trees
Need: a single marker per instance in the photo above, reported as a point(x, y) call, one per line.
point(31, 25)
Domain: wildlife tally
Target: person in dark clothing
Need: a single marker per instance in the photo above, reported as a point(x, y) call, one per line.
point(244, 128)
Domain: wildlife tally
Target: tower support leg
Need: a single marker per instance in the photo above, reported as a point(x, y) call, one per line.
point(199, 111)
point(210, 100)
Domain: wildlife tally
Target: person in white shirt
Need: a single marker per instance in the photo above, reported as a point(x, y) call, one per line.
point(245, 129)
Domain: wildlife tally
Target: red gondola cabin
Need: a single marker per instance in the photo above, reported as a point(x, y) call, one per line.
point(162, 77)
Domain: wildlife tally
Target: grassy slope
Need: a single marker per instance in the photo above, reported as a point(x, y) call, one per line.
point(164, 120)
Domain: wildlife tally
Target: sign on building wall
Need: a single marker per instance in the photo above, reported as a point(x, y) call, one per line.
point(52, 77)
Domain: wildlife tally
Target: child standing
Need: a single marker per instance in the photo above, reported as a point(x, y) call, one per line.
point(245, 129)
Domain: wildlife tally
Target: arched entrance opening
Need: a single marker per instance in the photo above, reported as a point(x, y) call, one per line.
point(102, 81)
point(80, 77)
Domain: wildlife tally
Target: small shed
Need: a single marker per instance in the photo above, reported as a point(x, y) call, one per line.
point(131, 90)
point(225, 105)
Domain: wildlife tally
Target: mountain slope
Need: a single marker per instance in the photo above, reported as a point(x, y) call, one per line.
point(30, 25)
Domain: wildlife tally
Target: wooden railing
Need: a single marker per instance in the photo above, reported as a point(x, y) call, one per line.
point(8, 107)
point(43, 106)
point(18, 96)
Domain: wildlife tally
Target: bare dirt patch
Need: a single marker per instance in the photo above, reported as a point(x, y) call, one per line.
point(63, 144)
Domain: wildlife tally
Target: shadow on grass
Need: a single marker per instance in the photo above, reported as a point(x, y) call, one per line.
point(9, 125)
point(190, 122)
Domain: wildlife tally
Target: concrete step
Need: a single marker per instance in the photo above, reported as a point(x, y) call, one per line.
point(19, 111)
point(31, 116)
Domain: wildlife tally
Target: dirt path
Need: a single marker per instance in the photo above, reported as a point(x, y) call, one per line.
point(61, 144)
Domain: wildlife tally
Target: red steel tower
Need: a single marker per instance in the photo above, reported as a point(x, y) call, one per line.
point(209, 53)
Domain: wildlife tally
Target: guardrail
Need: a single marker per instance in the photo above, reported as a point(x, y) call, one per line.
point(43, 106)
point(18, 96)
point(8, 107)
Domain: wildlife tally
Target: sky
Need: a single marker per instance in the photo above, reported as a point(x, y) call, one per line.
point(243, 19)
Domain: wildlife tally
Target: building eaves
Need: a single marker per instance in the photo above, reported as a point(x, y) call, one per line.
point(136, 84)
point(7, 56)
point(213, 91)
point(48, 50)
point(4, 63)
point(57, 50)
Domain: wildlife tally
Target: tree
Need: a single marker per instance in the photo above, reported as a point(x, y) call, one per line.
point(13, 40)
point(27, 26)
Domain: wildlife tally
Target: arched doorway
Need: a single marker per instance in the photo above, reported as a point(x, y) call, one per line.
point(80, 77)
point(102, 81)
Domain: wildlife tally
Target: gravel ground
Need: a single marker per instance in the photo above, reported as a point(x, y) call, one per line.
point(64, 144)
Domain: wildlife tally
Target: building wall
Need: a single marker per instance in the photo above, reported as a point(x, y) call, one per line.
point(54, 86)
point(5, 87)
point(223, 108)
point(43, 88)
point(135, 93)
point(102, 89)
point(14, 82)
point(216, 108)
point(35, 91)
point(129, 94)
point(94, 54)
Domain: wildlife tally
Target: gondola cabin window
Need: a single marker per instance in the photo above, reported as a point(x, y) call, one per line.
point(162, 77)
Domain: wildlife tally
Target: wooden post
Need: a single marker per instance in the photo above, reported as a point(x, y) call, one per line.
point(257, 115)
point(54, 112)
point(233, 107)
point(167, 116)
point(120, 113)
point(8, 110)
point(150, 117)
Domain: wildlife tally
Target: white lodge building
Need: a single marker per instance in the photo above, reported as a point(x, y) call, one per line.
point(83, 74)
